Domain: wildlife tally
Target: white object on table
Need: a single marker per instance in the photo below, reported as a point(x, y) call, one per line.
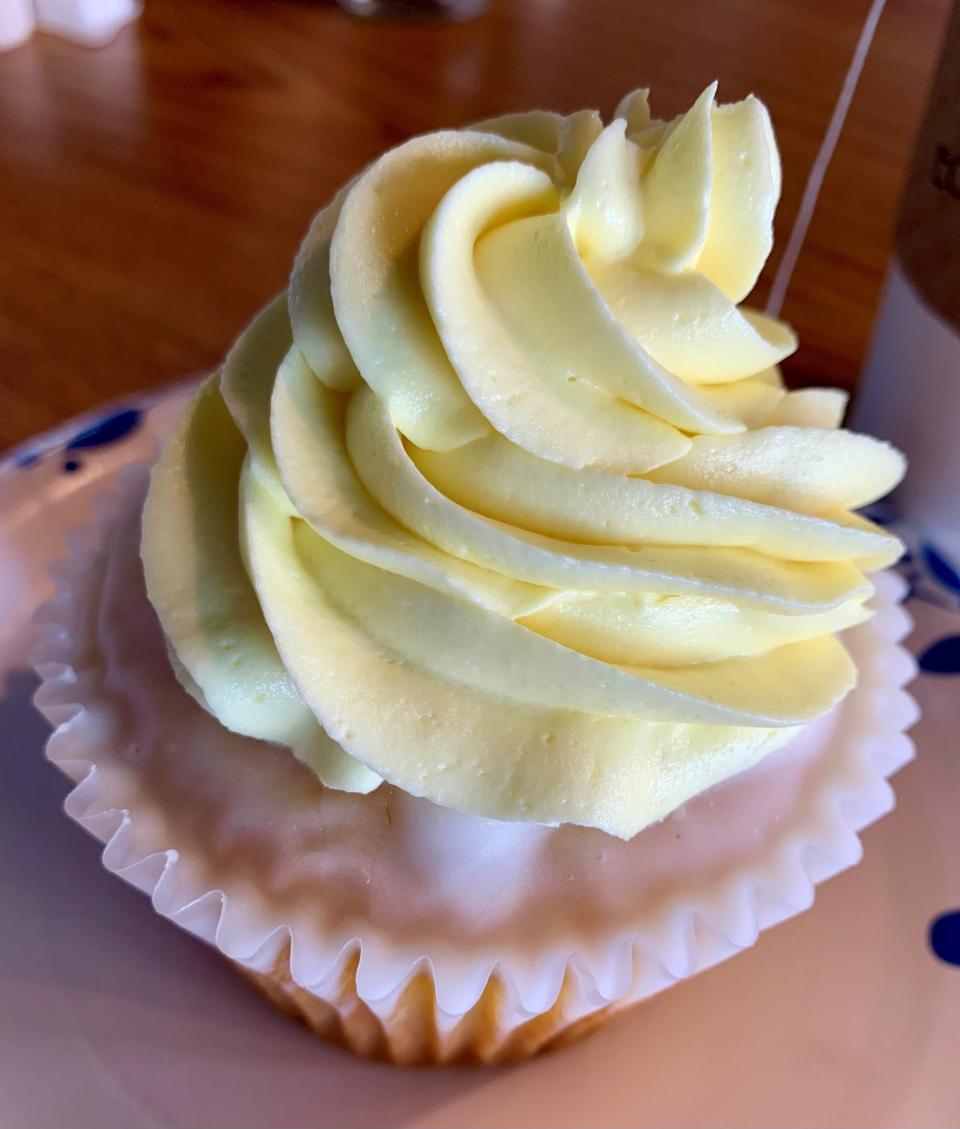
point(90, 22)
point(16, 22)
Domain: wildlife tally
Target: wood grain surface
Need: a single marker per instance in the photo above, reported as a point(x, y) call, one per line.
point(153, 192)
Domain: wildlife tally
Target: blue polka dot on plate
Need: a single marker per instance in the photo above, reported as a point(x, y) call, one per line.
point(107, 430)
point(940, 568)
point(945, 936)
point(941, 657)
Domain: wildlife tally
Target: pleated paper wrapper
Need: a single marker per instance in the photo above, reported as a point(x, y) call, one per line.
point(415, 934)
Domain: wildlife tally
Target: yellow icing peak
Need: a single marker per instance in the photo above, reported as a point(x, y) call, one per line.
point(504, 501)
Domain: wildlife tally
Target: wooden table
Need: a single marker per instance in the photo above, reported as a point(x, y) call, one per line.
point(152, 193)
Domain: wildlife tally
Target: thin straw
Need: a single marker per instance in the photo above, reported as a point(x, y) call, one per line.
point(818, 170)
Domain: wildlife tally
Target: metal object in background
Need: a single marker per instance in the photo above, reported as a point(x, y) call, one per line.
point(415, 9)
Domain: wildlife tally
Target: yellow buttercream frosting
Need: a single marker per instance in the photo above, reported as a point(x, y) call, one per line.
point(504, 500)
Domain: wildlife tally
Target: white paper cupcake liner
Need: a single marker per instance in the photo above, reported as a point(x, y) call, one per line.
point(456, 938)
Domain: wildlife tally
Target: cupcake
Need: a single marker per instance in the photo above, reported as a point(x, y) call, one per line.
point(470, 666)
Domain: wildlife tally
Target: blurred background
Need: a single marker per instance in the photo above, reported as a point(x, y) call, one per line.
point(153, 190)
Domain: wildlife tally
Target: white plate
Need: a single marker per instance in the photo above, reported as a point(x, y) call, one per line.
point(843, 1016)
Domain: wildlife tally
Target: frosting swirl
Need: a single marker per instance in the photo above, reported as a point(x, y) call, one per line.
point(504, 501)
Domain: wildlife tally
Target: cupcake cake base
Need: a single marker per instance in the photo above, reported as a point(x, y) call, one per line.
point(409, 1033)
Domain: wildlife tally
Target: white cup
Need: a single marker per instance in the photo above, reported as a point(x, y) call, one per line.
point(93, 23)
point(16, 22)
point(910, 395)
